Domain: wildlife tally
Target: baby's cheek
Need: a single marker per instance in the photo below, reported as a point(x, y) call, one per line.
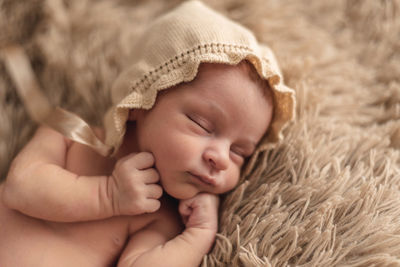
point(171, 151)
point(231, 182)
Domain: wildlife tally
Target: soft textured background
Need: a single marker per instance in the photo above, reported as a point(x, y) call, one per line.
point(329, 194)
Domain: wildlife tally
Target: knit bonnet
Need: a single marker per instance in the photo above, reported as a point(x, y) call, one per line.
point(170, 51)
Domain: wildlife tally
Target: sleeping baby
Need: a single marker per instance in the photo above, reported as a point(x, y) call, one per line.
point(200, 100)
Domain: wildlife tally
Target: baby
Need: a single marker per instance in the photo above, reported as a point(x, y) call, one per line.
point(201, 97)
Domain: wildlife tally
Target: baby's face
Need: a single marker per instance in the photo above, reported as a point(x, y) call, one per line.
point(201, 132)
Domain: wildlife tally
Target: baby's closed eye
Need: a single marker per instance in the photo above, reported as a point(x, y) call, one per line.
point(239, 152)
point(202, 123)
point(243, 150)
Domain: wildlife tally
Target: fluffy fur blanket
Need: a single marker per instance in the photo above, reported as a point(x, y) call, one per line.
point(328, 195)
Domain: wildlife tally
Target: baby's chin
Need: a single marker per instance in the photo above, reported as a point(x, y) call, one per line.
point(181, 196)
point(181, 193)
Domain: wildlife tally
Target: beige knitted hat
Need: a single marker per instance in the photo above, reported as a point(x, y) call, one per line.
point(170, 51)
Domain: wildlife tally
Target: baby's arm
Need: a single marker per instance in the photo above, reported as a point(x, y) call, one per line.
point(38, 184)
point(155, 246)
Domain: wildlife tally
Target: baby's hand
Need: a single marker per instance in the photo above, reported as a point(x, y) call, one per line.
point(133, 187)
point(201, 211)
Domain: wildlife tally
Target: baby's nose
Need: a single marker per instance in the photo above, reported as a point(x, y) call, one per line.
point(217, 157)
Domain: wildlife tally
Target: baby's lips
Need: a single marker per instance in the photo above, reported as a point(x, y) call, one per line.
point(204, 179)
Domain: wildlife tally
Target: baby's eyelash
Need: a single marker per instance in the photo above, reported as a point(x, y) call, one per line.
point(205, 128)
point(239, 153)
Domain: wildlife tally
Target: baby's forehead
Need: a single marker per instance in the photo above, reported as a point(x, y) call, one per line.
point(243, 69)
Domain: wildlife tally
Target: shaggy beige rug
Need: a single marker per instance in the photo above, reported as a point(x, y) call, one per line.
point(328, 195)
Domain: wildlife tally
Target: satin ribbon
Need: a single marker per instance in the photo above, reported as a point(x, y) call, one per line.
point(39, 108)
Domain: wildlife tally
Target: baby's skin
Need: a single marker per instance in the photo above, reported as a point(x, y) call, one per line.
point(64, 205)
point(26, 241)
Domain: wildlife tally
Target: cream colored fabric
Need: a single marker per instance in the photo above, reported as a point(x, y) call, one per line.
point(169, 52)
point(40, 109)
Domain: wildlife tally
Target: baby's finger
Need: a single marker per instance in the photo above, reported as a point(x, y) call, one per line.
point(154, 191)
point(142, 160)
point(152, 205)
point(149, 176)
point(184, 208)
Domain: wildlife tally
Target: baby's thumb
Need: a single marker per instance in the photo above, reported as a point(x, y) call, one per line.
point(185, 210)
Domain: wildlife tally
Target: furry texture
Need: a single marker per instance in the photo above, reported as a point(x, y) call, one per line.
point(328, 195)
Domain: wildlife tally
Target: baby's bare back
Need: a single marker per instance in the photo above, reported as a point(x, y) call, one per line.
point(27, 241)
